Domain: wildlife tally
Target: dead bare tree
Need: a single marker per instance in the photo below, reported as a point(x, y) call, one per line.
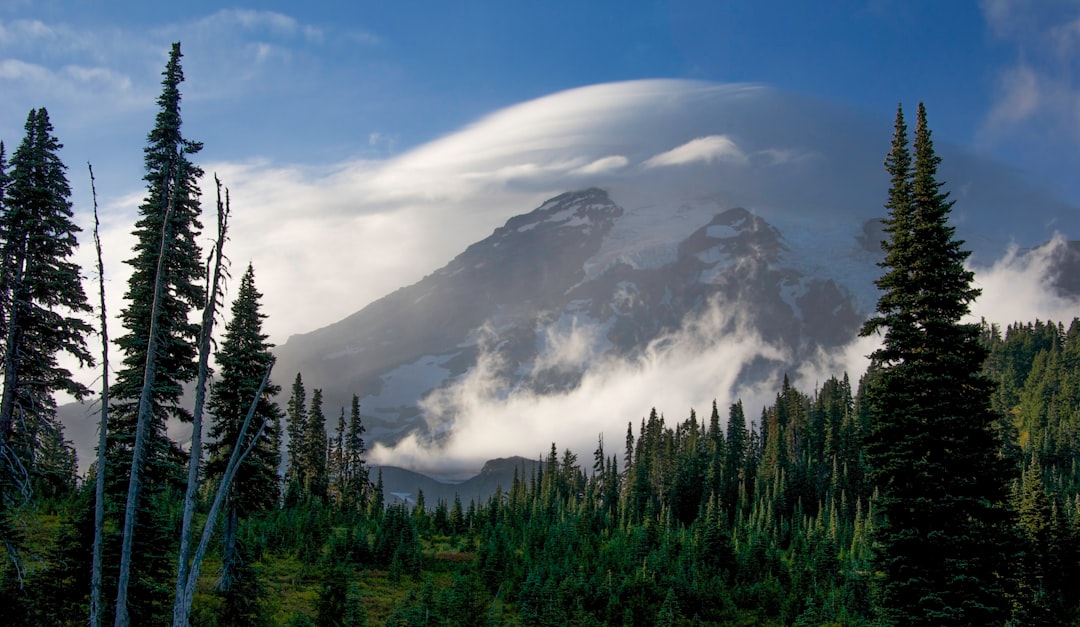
point(103, 425)
point(182, 608)
point(209, 310)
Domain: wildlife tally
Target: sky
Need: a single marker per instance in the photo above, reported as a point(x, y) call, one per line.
point(290, 98)
point(365, 144)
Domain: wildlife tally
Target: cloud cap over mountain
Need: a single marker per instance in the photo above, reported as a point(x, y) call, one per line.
point(326, 241)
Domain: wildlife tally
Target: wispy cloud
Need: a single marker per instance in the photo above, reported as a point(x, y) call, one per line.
point(228, 54)
point(703, 149)
point(13, 69)
point(1018, 287)
point(1036, 93)
point(484, 415)
point(268, 22)
point(22, 32)
point(605, 164)
point(480, 417)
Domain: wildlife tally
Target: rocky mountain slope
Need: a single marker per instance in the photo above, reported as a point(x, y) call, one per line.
point(583, 261)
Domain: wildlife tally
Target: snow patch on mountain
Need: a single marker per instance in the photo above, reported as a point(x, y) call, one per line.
point(647, 236)
point(402, 386)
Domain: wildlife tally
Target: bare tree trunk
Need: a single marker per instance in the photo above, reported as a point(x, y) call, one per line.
point(99, 480)
point(143, 421)
point(200, 401)
point(183, 609)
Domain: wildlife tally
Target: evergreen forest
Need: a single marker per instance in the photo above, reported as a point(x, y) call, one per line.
point(941, 488)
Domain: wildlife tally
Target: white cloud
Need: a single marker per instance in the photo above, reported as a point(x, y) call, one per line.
point(326, 240)
point(259, 21)
point(1036, 94)
point(605, 164)
point(781, 156)
point(703, 149)
point(62, 88)
point(480, 418)
point(99, 77)
point(269, 22)
point(24, 32)
point(16, 70)
point(1016, 288)
point(90, 73)
point(1018, 96)
point(482, 415)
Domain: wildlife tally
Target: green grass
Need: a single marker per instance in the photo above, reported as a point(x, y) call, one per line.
point(292, 587)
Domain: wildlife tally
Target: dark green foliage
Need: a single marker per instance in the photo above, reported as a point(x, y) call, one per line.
point(1036, 362)
point(397, 542)
point(41, 297)
point(167, 231)
point(296, 421)
point(171, 189)
point(932, 450)
point(549, 551)
point(313, 457)
point(243, 601)
point(307, 476)
point(330, 608)
point(349, 483)
point(242, 360)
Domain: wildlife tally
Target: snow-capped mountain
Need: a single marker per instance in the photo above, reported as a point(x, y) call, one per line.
point(612, 247)
point(583, 279)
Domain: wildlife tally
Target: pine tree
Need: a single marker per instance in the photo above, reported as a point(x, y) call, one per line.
point(242, 361)
point(336, 465)
point(313, 457)
point(172, 189)
point(41, 291)
point(41, 297)
point(296, 417)
point(358, 484)
point(3, 173)
point(932, 450)
point(164, 288)
point(735, 456)
point(377, 503)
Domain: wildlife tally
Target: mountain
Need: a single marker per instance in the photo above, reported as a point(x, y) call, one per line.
point(611, 248)
point(401, 485)
point(583, 279)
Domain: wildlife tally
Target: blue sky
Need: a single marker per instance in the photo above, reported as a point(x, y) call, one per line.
point(312, 82)
point(302, 92)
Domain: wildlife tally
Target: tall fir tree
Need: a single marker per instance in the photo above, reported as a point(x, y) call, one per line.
point(296, 425)
point(314, 455)
point(338, 467)
point(172, 189)
point(735, 455)
point(3, 172)
point(41, 298)
point(358, 485)
point(166, 252)
point(932, 450)
point(242, 360)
